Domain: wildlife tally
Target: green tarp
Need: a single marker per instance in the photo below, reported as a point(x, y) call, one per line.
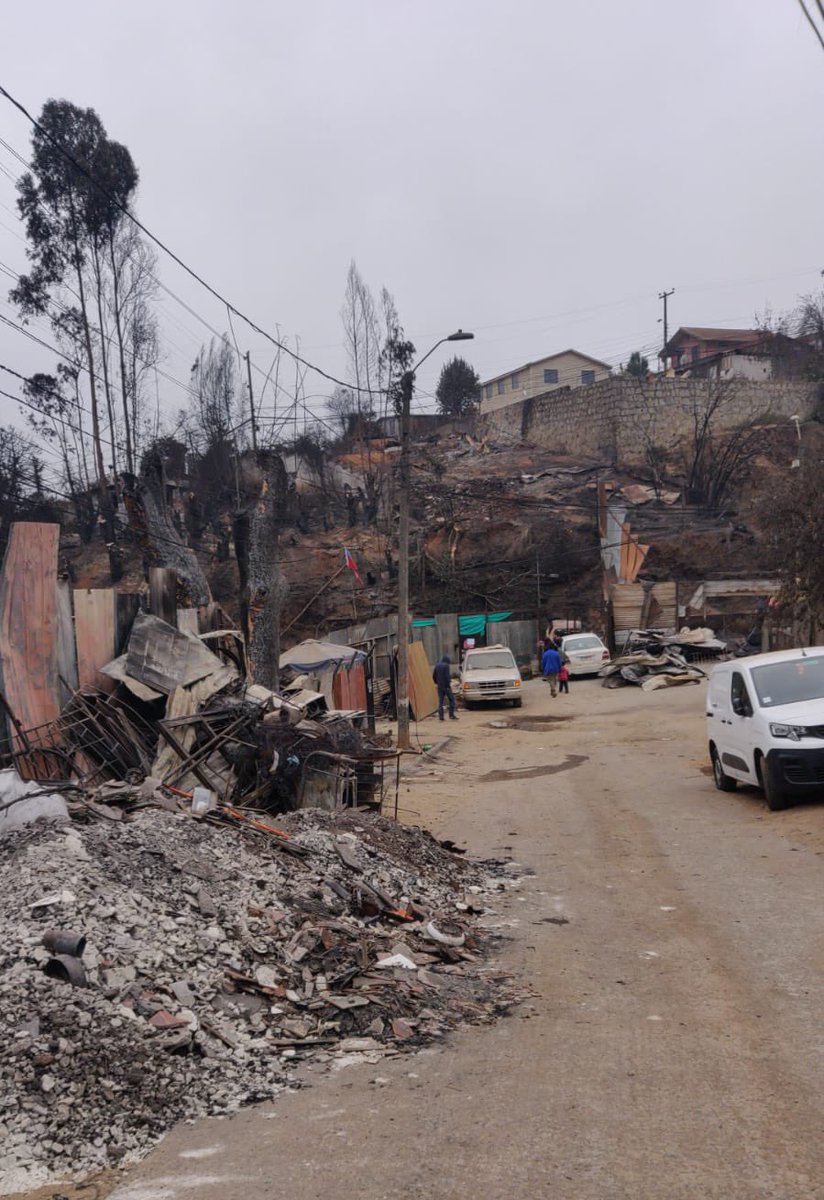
point(476, 623)
point(421, 621)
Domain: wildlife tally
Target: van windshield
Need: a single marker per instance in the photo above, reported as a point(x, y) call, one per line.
point(489, 660)
point(790, 682)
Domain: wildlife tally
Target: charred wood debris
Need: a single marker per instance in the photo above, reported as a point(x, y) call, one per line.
point(178, 930)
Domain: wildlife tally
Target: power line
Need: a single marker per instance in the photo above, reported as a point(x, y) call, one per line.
point(811, 21)
point(166, 249)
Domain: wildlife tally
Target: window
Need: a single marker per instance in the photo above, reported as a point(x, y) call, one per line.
point(550, 374)
point(488, 391)
point(738, 695)
point(501, 386)
point(790, 682)
point(513, 379)
point(587, 377)
point(486, 660)
point(586, 641)
point(696, 353)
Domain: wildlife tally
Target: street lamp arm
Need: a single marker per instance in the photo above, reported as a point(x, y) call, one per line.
point(459, 336)
point(426, 356)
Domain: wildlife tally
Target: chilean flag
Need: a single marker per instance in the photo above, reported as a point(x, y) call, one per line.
point(349, 562)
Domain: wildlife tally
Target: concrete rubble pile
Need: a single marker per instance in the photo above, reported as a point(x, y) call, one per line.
point(159, 966)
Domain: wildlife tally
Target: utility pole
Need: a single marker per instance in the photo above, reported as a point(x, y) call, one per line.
point(407, 383)
point(251, 403)
point(664, 296)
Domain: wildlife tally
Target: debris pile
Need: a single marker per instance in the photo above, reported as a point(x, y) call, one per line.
point(186, 717)
point(207, 959)
point(650, 671)
point(689, 643)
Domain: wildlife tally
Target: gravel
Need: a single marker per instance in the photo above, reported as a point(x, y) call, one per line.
point(213, 962)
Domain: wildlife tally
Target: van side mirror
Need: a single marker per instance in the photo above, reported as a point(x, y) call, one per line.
point(740, 707)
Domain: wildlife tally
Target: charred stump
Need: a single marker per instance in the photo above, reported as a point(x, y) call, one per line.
point(258, 524)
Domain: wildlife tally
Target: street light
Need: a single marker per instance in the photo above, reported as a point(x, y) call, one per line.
point(407, 388)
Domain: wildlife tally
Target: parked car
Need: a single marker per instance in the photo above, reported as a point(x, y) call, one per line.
point(586, 653)
point(490, 673)
point(765, 724)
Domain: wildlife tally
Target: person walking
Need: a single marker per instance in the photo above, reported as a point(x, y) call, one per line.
point(563, 678)
point(442, 678)
point(550, 667)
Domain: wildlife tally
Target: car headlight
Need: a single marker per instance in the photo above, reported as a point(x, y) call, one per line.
point(793, 732)
point(466, 687)
point(516, 683)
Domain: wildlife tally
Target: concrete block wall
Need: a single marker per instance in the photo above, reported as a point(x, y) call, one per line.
point(616, 419)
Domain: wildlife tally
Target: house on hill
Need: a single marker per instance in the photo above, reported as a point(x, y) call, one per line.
point(567, 369)
point(756, 354)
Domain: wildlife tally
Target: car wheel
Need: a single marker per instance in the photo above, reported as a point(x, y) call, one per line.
point(518, 703)
point(774, 794)
point(722, 781)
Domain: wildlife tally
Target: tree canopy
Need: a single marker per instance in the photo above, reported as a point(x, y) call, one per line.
point(638, 365)
point(459, 389)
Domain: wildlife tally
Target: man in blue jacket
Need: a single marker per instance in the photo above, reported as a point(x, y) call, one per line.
point(550, 666)
point(442, 676)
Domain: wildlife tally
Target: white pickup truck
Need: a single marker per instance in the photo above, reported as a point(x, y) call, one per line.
point(490, 673)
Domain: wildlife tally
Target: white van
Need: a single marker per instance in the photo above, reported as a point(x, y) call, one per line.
point(765, 724)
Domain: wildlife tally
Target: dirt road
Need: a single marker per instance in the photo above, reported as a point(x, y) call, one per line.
point(673, 1049)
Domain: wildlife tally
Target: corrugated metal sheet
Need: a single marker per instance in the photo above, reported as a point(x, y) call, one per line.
point(627, 604)
point(349, 687)
point(665, 595)
point(520, 636)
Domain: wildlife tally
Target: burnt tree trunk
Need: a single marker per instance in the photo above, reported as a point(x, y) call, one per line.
point(157, 535)
point(262, 587)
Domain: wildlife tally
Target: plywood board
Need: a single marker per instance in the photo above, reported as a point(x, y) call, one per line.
point(423, 695)
point(29, 624)
point(94, 631)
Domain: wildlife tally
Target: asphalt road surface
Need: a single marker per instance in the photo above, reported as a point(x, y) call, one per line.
point(672, 1047)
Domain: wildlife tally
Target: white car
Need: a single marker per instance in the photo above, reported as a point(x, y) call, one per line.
point(765, 724)
point(586, 653)
point(490, 673)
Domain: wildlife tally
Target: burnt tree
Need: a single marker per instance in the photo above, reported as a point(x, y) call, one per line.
point(264, 504)
point(150, 521)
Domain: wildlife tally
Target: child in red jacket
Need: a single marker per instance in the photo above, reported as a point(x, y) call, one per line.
point(563, 678)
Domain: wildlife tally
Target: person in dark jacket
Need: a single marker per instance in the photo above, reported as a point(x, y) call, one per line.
point(550, 666)
point(442, 676)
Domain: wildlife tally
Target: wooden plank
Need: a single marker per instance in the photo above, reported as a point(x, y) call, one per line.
point(423, 695)
point(29, 620)
point(163, 594)
point(94, 627)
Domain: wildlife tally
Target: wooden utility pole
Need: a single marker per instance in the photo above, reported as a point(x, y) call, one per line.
point(665, 296)
point(251, 403)
point(407, 383)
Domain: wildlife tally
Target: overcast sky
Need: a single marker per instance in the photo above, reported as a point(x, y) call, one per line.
point(535, 171)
